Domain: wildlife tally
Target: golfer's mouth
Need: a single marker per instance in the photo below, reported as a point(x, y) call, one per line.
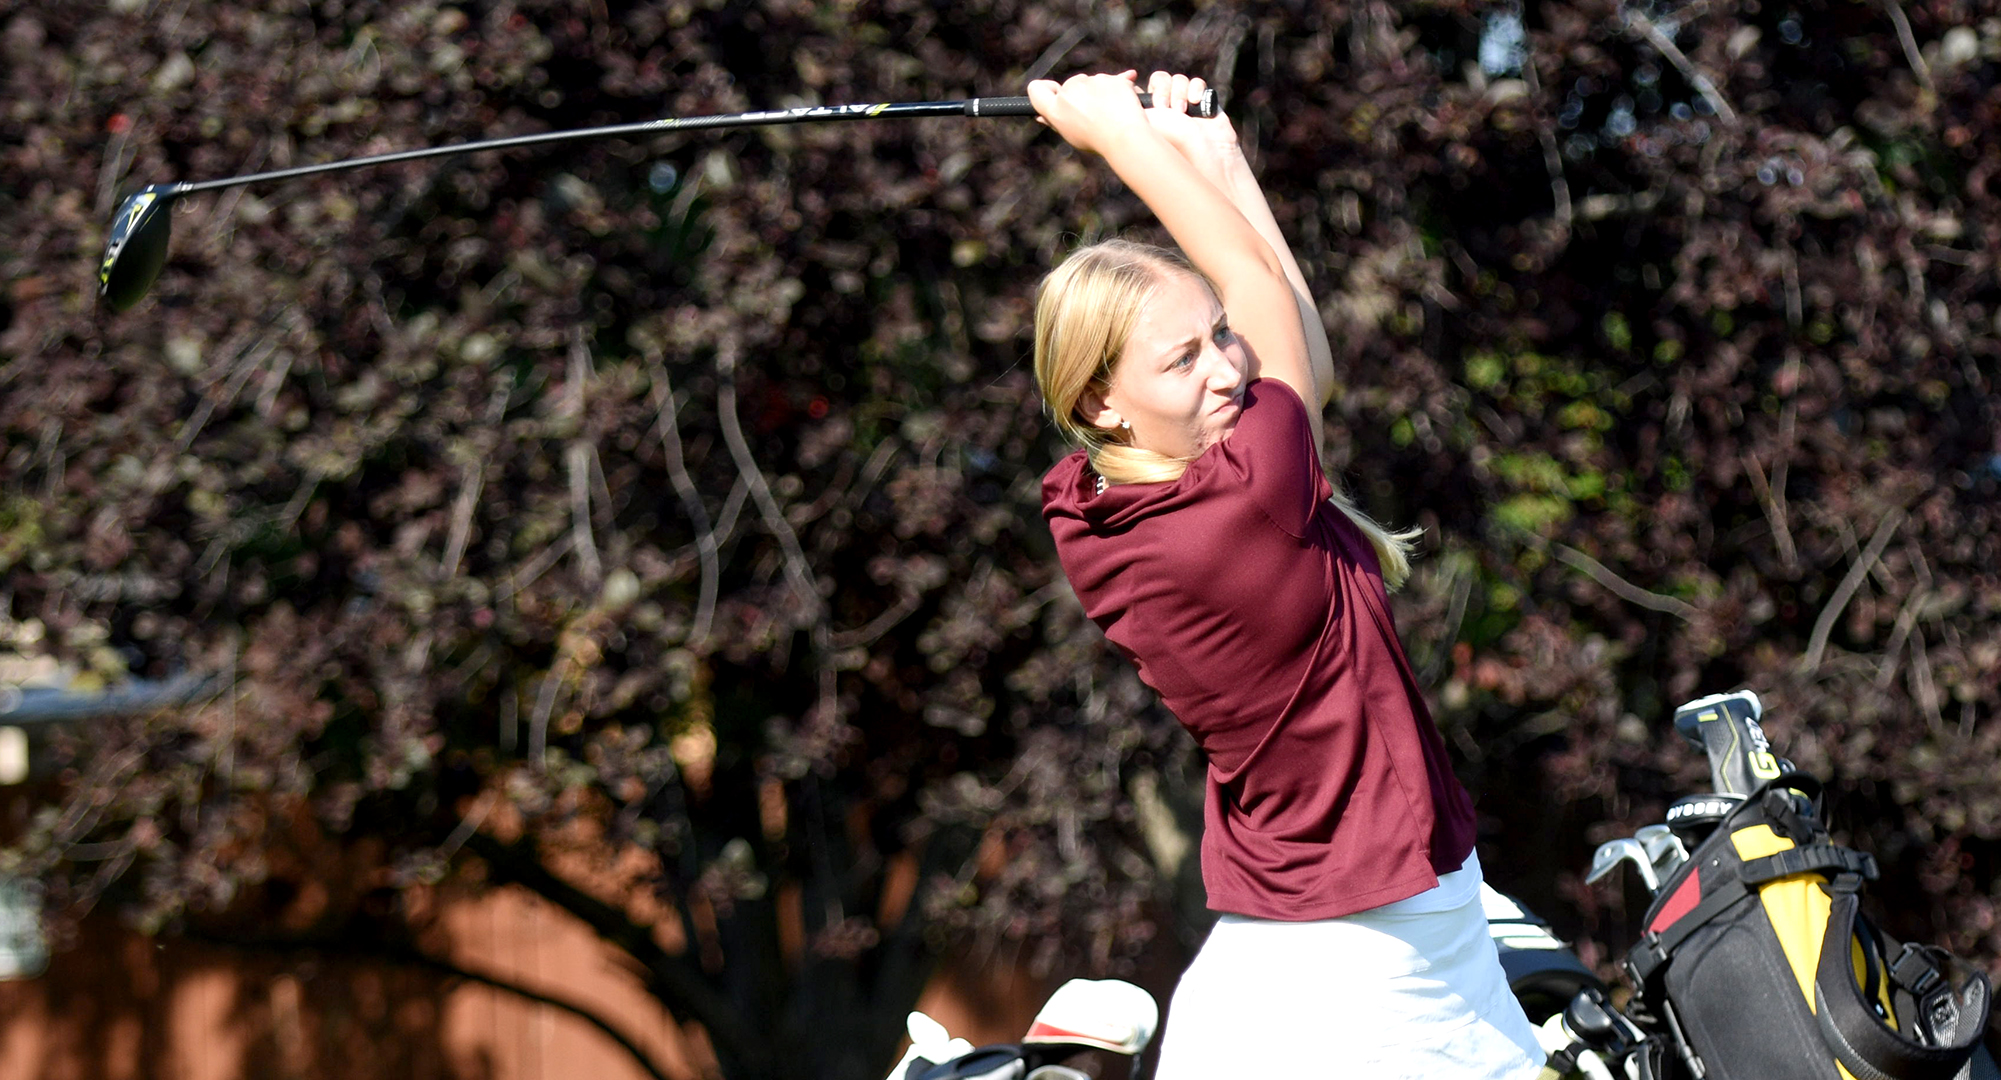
point(1223, 419)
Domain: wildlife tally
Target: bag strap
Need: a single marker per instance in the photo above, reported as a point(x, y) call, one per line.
point(1808, 859)
point(1869, 1048)
point(1657, 947)
point(1654, 949)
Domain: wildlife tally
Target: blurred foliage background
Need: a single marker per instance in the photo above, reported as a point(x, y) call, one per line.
point(670, 507)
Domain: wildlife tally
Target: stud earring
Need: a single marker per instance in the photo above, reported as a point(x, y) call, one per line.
point(1126, 424)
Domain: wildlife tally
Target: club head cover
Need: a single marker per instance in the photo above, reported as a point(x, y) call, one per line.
point(1104, 1014)
point(1726, 727)
point(930, 1043)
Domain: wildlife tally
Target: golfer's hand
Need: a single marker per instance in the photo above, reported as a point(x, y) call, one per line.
point(1209, 145)
point(1090, 111)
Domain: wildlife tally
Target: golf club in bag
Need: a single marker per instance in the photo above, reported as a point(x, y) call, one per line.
point(1755, 961)
point(137, 247)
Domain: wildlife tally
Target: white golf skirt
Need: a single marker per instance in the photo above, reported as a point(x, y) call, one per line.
point(1412, 990)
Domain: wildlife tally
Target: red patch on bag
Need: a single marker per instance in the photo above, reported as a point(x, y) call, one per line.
point(1686, 896)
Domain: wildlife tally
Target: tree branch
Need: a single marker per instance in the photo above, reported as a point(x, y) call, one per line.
point(1923, 684)
point(1817, 642)
point(1907, 619)
point(669, 978)
point(472, 480)
point(1056, 51)
point(535, 567)
point(577, 457)
point(797, 570)
point(538, 721)
point(706, 541)
point(1665, 45)
point(905, 606)
point(1910, 43)
point(1775, 511)
point(1552, 159)
point(1600, 573)
point(813, 607)
point(410, 956)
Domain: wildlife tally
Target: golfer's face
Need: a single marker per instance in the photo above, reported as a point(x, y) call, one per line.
point(1181, 377)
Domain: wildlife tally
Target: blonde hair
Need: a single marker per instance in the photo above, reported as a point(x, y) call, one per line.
point(1085, 311)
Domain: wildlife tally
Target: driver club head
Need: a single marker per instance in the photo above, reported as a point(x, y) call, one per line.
point(137, 248)
point(1613, 852)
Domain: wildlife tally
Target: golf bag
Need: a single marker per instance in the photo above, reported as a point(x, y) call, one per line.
point(1756, 961)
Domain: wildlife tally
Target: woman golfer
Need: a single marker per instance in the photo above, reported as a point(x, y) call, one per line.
point(1199, 531)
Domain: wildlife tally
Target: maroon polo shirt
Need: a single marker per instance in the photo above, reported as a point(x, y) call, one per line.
point(1256, 609)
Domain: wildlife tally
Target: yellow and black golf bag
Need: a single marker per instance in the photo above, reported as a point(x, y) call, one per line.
point(1759, 966)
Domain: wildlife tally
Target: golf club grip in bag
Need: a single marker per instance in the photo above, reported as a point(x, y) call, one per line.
point(1203, 107)
point(1758, 962)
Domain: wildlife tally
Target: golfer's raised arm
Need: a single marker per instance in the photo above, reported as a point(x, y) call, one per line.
point(1211, 146)
point(1101, 114)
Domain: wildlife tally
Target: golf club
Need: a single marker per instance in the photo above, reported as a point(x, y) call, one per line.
point(1664, 849)
point(137, 248)
point(1613, 852)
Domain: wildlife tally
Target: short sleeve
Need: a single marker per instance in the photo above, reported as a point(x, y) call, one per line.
point(1271, 454)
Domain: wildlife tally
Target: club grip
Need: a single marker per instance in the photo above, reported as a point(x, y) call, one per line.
point(1203, 107)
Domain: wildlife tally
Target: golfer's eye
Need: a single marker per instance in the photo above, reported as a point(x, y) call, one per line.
point(1185, 360)
point(1223, 334)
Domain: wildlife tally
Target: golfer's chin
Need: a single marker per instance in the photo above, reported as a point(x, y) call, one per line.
point(1219, 428)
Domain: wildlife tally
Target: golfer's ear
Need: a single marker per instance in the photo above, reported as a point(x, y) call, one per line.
point(1097, 412)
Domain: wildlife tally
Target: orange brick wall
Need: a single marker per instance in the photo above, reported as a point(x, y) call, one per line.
point(119, 1006)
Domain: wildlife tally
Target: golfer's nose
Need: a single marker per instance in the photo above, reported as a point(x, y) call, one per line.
point(1224, 375)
